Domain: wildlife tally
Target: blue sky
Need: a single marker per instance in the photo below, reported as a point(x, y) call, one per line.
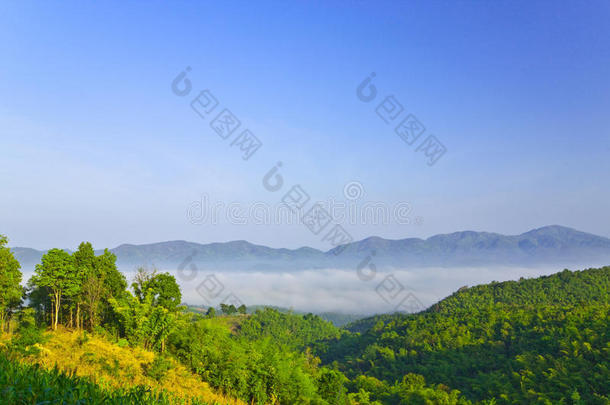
point(95, 146)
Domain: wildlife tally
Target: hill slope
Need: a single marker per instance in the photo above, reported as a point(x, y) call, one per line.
point(115, 370)
point(544, 340)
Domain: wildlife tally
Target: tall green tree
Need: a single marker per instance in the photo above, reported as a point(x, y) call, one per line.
point(163, 286)
point(114, 280)
point(98, 279)
point(115, 286)
point(57, 272)
point(141, 280)
point(10, 277)
point(143, 322)
point(84, 262)
point(228, 309)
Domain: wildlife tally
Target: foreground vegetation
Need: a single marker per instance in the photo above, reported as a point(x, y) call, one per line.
point(27, 384)
point(115, 367)
point(85, 337)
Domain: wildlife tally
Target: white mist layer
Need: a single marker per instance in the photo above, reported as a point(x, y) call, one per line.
point(336, 290)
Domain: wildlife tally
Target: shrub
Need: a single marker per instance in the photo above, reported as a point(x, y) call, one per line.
point(158, 368)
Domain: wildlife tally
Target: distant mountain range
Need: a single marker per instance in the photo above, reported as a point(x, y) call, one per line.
point(551, 245)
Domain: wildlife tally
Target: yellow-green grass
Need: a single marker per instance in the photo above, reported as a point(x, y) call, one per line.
point(113, 367)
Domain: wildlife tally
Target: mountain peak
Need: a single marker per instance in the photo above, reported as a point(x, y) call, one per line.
point(553, 229)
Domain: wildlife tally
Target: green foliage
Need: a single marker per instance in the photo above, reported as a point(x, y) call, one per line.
point(114, 285)
point(81, 284)
point(228, 309)
point(99, 280)
point(83, 338)
point(158, 368)
point(567, 288)
point(142, 322)
point(27, 335)
point(84, 260)
point(331, 386)
point(57, 272)
point(531, 341)
point(10, 279)
point(163, 287)
point(257, 371)
point(114, 280)
point(288, 329)
point(148, 318)
point(90, 282)
point(411, 389)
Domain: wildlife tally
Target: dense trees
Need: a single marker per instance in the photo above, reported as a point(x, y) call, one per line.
point(148, 317)
point(77, 286)
point(227, 309)
point(257, 371)
point(57, 273)
point(295, 331)
point(10, 279)
point(85, 289)
point(543, 340)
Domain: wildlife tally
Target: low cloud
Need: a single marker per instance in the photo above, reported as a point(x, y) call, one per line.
point(337, 290)
point(340, 290)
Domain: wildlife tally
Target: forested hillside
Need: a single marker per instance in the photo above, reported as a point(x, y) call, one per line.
point(80, 330)
point(544, 340)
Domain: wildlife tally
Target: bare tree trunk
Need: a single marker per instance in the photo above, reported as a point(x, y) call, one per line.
point(57, 304)
point(53, 313)
point(92, 316)
point(78, 316)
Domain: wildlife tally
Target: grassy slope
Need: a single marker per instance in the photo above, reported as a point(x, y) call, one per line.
point(22, 383)
point(113, 367)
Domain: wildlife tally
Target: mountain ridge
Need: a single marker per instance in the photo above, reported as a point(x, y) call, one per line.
point(553, 244)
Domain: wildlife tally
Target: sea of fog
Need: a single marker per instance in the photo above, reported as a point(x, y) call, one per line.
point(337, 290)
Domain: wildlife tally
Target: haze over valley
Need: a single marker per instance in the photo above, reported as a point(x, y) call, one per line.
point(311, 280)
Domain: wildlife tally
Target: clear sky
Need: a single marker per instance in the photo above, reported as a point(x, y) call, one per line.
point(95, 145)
